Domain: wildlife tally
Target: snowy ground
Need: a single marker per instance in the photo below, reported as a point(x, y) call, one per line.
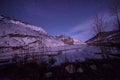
point(60, 54)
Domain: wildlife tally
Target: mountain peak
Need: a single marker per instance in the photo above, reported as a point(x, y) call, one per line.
point(17, 23)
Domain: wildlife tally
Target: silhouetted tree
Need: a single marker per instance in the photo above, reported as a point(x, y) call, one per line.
point(99, 26)
point(115, 11)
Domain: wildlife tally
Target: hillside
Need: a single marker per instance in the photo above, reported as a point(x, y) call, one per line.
point(21, 39)
point(110, 38)
point(17, 33)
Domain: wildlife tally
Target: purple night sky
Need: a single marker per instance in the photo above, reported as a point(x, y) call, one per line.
point(68, 17)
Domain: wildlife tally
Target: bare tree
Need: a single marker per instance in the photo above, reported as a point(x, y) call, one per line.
point(99, 26)
point(115, 11)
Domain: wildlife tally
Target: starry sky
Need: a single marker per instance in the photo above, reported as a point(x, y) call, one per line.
point(68, 17)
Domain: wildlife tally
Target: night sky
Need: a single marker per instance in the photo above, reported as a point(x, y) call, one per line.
point(68, 17)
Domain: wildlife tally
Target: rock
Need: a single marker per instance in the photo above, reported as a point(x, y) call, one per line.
point(93, 67)
point(48, 74)
point(80, 70)
point(5, 79)
point(108, 66)
point(70, 68)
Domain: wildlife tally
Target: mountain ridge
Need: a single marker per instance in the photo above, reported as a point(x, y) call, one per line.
point(110, 38)
point(15, 33)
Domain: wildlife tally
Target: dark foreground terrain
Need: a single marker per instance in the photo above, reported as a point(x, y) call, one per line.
point(89, 70)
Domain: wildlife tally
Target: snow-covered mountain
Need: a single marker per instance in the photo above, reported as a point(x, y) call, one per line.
point(69, 40)
point(17, 33)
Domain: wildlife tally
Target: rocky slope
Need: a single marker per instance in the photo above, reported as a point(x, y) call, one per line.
point(21, 38)
point(17, 33)
point(110, 38)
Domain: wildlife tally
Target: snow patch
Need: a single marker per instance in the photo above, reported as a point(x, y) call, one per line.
point(28, 26)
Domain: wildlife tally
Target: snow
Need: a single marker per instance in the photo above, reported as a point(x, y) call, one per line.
point(28, 26)
point(35, 40)
point(1, 17)
point(77, 41)
point(80, 54)
point(53, 42)
point(10, 26)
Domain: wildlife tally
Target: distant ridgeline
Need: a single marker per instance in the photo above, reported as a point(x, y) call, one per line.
point(110, 38)
point(9, 18)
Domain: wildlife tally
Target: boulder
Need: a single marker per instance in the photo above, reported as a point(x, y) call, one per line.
point(80, 70)
point(70, 68)
point(93, 67)
point(48, 74)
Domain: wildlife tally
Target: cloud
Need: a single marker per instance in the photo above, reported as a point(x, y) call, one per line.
point(84, 30)
point(82, 26)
